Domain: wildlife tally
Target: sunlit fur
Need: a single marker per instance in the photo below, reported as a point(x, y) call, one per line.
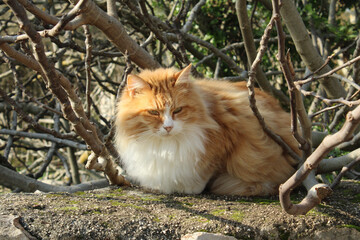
point(215, 141)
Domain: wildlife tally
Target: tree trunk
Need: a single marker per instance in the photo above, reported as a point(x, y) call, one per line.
point(307, 51)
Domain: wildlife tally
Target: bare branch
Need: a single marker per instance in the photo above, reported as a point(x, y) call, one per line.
point(114, 30)
point(31, 121)
point(344, 170)
point(27, 184)
point(305, 48)
point(145, 17)
point(192, 16)
point(216, 52)
point(64, 92)
point(252, 100)
point(318, 193)
point(327, 74)
point(335, 164)
point(116, 33)
point(47, 18)
point(111, 8)
point(246, 32)
point(45, 137)
point(88, 44)
point(287, 69)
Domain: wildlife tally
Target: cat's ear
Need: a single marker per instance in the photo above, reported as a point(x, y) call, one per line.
point(136, 84)
point(183, 76)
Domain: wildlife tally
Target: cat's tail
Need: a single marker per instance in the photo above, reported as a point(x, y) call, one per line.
point(226, 184)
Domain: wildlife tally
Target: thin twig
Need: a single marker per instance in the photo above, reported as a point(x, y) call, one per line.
point(63, 90)
point(44, 136)
point(144, 17)
point(343, 171)
point(88, 44)
point(31, 121)
point(9, 142)
point(313, 78)
point(60, 25)
point(252, 100)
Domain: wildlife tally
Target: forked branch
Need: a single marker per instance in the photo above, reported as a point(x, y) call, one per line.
point(71, 105)
point(252, 100)
point(318, 192)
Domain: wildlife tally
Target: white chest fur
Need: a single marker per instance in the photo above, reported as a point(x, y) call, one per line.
point(167, 164)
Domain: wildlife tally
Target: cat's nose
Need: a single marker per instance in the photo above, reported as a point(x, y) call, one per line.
point(168, 128)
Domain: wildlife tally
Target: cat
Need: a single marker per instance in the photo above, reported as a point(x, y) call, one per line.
point(177, 134)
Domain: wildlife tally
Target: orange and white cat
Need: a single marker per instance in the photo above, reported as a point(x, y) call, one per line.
point(176, 134)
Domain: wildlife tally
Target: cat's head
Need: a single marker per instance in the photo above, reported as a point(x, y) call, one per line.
point(160, 103)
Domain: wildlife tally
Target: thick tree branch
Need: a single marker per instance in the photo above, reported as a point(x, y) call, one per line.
point(307, 51)
point(113, 29)
point(252, 100)
point(47, 18)
point(116, 33)
point(62, 89)
point(9, 177)
point(187, 26)
point(318, 192)
point(246, 32)
point(296, 103)
point(337, 163)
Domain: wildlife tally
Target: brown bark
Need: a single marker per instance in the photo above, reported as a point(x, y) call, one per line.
point(307, 51)
point(246, 32)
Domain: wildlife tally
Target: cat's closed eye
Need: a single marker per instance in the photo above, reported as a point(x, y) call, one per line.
point(177, 110)
point(154, 112)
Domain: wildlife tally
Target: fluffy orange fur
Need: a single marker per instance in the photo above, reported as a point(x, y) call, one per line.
point(226, 150)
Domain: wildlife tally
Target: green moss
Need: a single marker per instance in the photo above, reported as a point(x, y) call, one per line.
point(237, 215)
point(121, 204)
point(262, 201)
point(152, 199)
point(218, 212)
point(115, 203)
point(114, 193)
point(92, 211)
point(80, 193)
point(315, 211)
point(188, 204)
point(352, 226)
point(54, 195)
point(284, 235)
point(103, 195)
point(356, 198)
